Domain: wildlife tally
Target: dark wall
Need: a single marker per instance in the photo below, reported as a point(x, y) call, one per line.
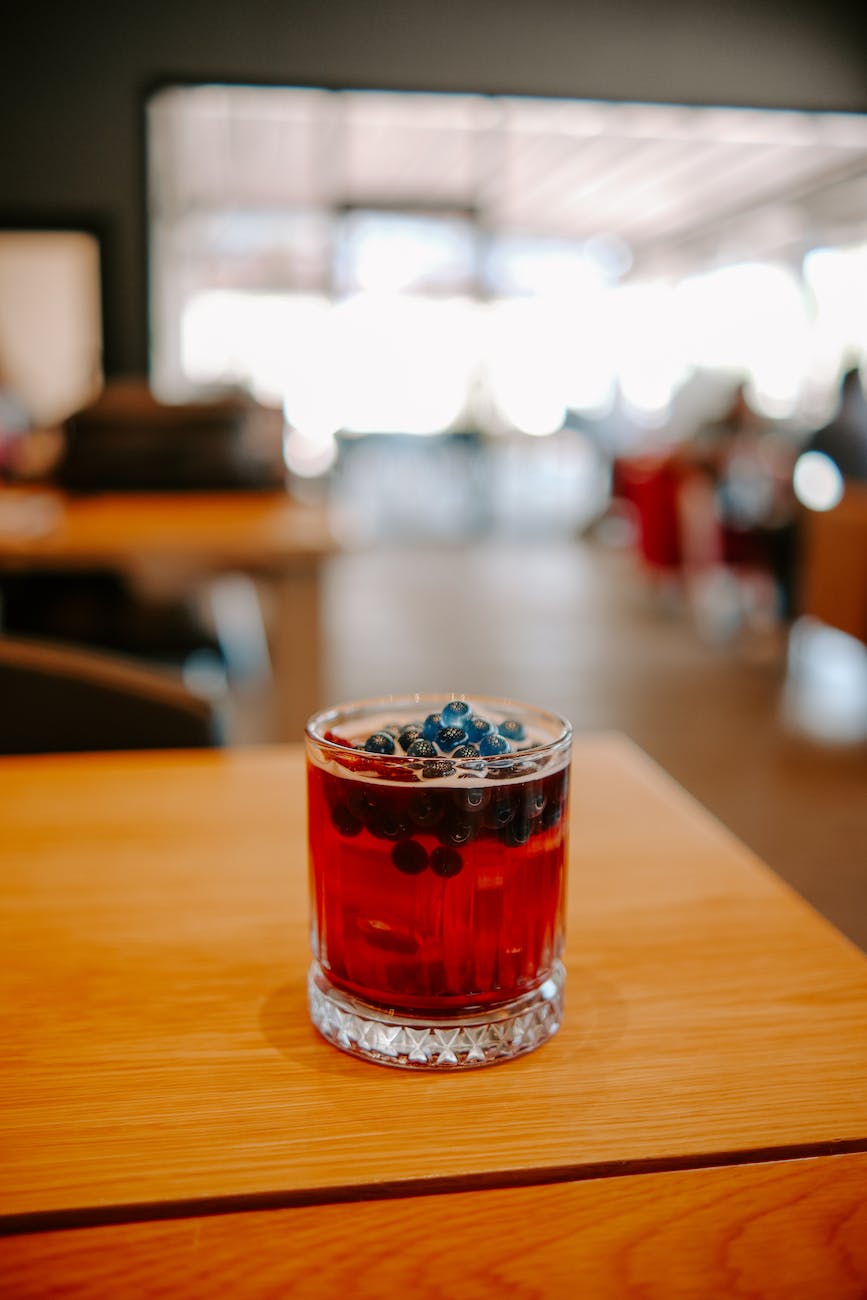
point(73, 77)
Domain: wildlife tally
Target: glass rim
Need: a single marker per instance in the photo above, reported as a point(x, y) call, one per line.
point(493, 762)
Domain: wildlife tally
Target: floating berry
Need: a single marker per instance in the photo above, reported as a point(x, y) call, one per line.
point(379, 743)
point(345, 821)
point(536, 801)
point(518, 831)
point(465, 751)
point(448, 738)
point(434, 767)
point(431, 725)
point(472, 799)
point(424, 810)
point(408, 735)
point(493, 744)
point(512, 729)
point(551, 816)
point(456, 713)
point(410, 857)
point(392, 729)
point(477, 727)
point(446, 862)
point(420, 748)
point(499, 812)
point(456, 830)
point(386, 823)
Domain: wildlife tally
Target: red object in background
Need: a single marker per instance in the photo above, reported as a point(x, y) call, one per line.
point(651, 487)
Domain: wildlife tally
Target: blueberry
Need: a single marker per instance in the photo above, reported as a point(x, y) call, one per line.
point(456, 830)
point(424, 809)
point(379, 743)
point(408, 735)
point(551, 815)
point(512, 729)
point(456, 713)
point(387, 824)
point(432, 724)
point(446, 862)
point(536, 800)
point(361, 799)
point(434, 767)
point(409, 856)
point(517, 832)
point(493, 744)
point(472, 799)
point(345, 822)
point(420, 748)
point(499, 812)
point(477, 727)
point(449, 737)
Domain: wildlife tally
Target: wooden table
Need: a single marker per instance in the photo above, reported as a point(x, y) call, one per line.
point(181, 538)
point(171, 1124)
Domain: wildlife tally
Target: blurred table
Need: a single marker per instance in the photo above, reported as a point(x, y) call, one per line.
point(697, 1127)
point(180, 538)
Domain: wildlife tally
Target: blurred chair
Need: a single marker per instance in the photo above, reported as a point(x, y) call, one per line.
point(62, 699)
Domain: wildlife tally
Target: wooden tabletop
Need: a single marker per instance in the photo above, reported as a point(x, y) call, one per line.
point(781, 1230)
point(158, 1057)
point(252, 529)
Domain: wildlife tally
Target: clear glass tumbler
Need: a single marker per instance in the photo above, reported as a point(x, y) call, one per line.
point(438, 853)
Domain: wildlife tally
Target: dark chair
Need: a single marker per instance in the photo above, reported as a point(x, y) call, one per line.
point(62, 699)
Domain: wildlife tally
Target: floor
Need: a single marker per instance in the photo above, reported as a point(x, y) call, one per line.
point(574, 625)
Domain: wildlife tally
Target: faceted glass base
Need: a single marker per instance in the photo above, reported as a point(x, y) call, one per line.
point(446, 1043)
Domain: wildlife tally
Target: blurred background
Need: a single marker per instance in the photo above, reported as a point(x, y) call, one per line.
point(528, 342)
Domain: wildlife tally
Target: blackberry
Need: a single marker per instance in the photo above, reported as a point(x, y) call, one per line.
point(434, 767)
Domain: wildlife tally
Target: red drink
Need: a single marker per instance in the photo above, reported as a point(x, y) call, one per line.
point(437, 891)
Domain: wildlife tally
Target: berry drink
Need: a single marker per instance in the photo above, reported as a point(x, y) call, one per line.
point(437, 838)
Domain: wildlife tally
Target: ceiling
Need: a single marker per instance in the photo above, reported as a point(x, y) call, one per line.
point(679, 186)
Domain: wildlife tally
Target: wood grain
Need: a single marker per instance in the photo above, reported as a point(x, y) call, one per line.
point(154, 1033)
point(793, 1230)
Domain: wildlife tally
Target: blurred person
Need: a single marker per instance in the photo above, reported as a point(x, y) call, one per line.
point(736, 514)
point(844, 438)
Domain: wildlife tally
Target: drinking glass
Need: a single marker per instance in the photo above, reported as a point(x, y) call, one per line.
point(437, 879)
